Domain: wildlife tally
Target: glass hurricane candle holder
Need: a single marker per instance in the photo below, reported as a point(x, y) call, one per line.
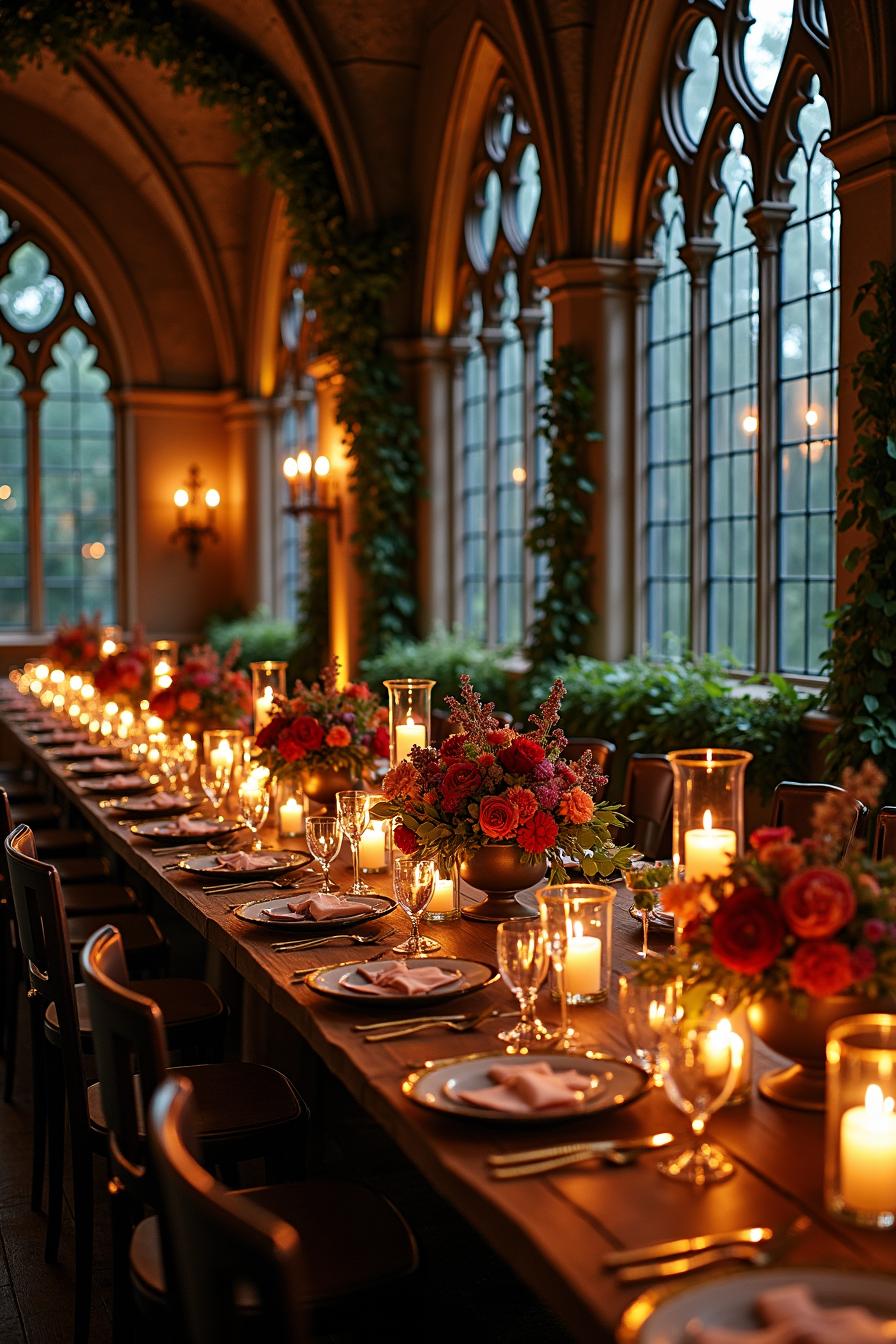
point(589, 940)
point(409, 715)
point(221, 749)
point(376, 842)
point(268, 680)
point(254, 799)
point(445, 903)
point(290, 810)
point(860, 1126)
point(708, 810)
point(163, 656)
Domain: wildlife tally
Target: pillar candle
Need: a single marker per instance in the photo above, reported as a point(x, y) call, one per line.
point(442, 902)
point(407, 735)
point(722, 1048)
point(868, 1154)
point(708, 852)
point(264, 708)
point(582, 970)
point(372, 853)
point(292, 818)
point(221, 756)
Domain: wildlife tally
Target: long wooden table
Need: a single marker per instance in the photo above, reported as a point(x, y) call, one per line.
point(554, 1230)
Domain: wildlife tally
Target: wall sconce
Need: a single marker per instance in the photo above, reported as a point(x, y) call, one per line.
point(192, 530)
point(309, 488)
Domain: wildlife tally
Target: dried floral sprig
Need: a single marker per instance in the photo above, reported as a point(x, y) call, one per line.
point(834, 815)
point(472, 716)
point(547, 715)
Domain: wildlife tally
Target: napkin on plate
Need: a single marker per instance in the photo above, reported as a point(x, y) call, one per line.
point(121, 781)
point(241, 861)
point(790, 1315)
point(191, 826)
point(397, 978)
point(520, 1089)
point(158, 801)
point(322, 907)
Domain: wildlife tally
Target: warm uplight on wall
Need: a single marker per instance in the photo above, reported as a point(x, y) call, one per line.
point(194, 528)
point(309, 488)
point(750, 423)
point(519, 475)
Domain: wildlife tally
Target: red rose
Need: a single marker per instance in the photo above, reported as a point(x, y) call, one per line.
point(818, 902)
point(452, 749)
point(289, 746)
point(538, 833)
point(771, 835)
point(499, 738)
point(380, 745)
point(498, 818)
point(821, 968)
point(189, 701)
point(521, 756)
point(747, 931)
point(268, 735)
point(307, 732)
point(461, 779)
point(164, 704)
point(405, 839)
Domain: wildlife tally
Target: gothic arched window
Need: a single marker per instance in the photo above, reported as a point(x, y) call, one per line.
point(295, 405)
point(502, 341)
point(58, 478)
point(739, 456)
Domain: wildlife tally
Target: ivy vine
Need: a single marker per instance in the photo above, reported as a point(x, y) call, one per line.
point(352, 272)
point(861, 659)
point(561, 526)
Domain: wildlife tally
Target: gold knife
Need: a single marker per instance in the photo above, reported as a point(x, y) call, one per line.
point(659, 1250)
point(568, 1149)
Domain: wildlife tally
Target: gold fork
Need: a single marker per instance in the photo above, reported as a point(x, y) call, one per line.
point(444, 1023)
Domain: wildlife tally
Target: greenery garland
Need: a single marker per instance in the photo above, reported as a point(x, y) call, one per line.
point(861, 659)
point(561, 527)
point(352, 272)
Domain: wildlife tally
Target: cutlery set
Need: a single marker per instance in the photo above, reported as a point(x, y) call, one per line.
point(361, 939)
point(392, 1031)
point(669, 1259)
point(539, 1161)
point(299, 977)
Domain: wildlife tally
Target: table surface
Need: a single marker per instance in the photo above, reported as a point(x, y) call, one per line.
point(553, 1230)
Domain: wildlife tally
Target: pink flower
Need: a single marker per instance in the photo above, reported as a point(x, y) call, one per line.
point(875, 930)
point(864, 963)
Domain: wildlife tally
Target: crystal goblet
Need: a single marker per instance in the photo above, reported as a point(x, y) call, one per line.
point(523, 962)
point(353, 813)
point(699, 1065)
point(323, 836)
point(413, 883)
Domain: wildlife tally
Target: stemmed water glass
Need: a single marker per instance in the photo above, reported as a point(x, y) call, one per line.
point(699, 1065)
point(353, 812)
point(643, 1009)
point(215, 777)
point(323, 835)
point(554, 913)
point(414, 882)
point(254, 801)
point(523, 963)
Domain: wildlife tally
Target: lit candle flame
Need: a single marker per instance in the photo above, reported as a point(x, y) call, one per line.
point(707, 820)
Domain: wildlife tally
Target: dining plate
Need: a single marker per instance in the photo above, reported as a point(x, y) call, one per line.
point(165, 831)
point(529, 899)
point(285, 861)
point(437, 1087)
point(726, 1299)
point(95, 766)
point(254, 912)
point(78, 751)
point(119, 783)
point(175, 806)
point(339, 982)
point(55, 736)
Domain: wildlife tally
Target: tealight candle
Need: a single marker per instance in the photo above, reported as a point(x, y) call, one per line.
point(868, 1153)
point(582, 966)
point(708, 852)
point(292, 818)
point(372, 854)
point(407, 735)
point(722, 1049)
point(154, 724)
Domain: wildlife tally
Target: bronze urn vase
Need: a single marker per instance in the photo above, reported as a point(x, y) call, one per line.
point(500, 871)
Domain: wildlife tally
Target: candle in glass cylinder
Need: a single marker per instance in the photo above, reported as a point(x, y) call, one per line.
point(708, 852)
point(264, 708)
point(292, 818)
point(407, 735)
point(868, 1153)
point(221, 756)
point(372, 854)
point(722, 1049)
point(582, 967)
point(442, 902)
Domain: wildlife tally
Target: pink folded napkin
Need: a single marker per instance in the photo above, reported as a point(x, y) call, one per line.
point(790, 1315)
point(101, 764)
point(191, 826)
point(240, 861)
point(322, 907)
point(398, 978)
point(523, 1088)
point(119, 782)
point(158, 802)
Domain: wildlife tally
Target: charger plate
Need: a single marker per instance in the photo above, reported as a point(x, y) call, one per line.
point(726, 1297)
point(129, 783)
point(437, 1086)
point(206, 866)
point(161, 831)
point(144, 807)
point(336, 982)
point(253, 911)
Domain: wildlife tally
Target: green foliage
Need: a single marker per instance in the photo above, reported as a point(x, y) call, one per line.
point(643, 705)
point(444, 656)
point(861, 689)
point(353, 272)
point(562, 526)
point(260, 635)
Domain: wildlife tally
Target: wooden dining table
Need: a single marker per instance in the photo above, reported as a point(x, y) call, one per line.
point(553, 1230)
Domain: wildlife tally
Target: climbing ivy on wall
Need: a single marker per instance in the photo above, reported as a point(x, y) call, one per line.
point(353, 271)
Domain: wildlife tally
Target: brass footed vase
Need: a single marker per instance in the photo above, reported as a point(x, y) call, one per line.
point(500, 871)
point(322, 786)
point(801, 1038)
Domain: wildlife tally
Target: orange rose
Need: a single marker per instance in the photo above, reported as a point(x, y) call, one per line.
point(576, 807)
point(189, 701)
point(785, 858)
point(338, 736)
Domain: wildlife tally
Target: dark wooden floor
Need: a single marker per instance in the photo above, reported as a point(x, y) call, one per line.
point(462, 1290)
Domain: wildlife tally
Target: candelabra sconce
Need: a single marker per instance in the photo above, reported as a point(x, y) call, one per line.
point(193, 530)
point(310, 490)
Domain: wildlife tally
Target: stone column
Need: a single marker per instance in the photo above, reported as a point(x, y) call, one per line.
point(251, 470)
point(644, 271)
point(698, 255)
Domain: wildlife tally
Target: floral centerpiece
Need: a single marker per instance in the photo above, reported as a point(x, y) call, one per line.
point(206, 691)
point(487, 785)
point(76, 648)
point(325, 735)
point(126, 676)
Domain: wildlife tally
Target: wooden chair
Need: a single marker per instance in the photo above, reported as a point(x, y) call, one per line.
point(647, 802)
point(243, 1110)
point(884, 846)
point(60, 1032)
point(602, 751)
point(794, 803)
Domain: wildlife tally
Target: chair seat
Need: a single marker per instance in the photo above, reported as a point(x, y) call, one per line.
point(141, 933)
point(233, 1101)
point(35, 814)
point(98, 898)
point(86, 869)
point(63, 840)
point(353, 1239)
point(184, 1003)
point(21, 790)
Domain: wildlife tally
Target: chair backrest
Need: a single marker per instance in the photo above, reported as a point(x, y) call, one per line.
point(885, 834)
point(128, 1033)
point(218, 1243)
point(647, 802)
point(794, 803)
point(439, 728)
point(6, 823)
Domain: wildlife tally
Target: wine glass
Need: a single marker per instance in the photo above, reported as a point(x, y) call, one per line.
point(554, 913)
point(215, 775)
point(645, 882)
point(643, 1009)
point(523, 963)
point(254, 801)
point(414, 882)
point(323, 836)
point(699, 1064)
point(353, 811)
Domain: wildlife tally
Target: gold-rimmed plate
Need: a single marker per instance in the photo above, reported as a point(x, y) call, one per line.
point(254, 913)
point(726, 1299)
point(343, 982)
point(95, 766)
point(154, 805)
point(165, 831)
point(120, 783)
point(282, 861)
point(438, 1086)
